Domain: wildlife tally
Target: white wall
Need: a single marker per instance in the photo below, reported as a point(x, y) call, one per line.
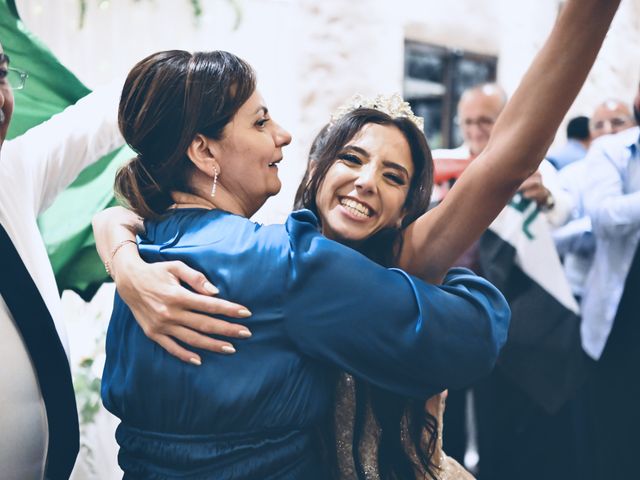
point(311, 55)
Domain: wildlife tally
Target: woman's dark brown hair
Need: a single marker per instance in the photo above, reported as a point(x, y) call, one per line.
point(167, 99)
point(402, 453)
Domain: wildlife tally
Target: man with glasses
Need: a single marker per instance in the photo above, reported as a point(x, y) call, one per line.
point(478, 110)
point(38, 418)
point(611, 116)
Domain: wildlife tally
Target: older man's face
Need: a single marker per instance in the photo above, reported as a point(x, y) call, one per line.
point(6, 97)
point(477, 112)
point(610, 117)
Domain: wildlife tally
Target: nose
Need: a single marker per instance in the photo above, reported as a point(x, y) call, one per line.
point(366, 180)
point(282, 136)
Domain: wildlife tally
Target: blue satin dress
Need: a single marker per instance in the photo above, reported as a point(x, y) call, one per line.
point(318, 307)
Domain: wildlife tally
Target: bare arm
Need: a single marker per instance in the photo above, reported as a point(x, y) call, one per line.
point(165, 309)
point(518, 142)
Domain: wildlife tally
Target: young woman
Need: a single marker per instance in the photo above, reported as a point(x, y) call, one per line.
point(509, 151)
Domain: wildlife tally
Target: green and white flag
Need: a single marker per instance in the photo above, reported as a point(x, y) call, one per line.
point(66, 225)
point(543, 354)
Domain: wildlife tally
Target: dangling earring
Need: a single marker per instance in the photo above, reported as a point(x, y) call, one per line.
point(215, 182)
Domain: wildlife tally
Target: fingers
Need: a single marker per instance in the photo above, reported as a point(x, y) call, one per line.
point(193, 339)
point(193, 278)
point(203, 342)
point(214, 306)
point(172, 347)
point(213, 326)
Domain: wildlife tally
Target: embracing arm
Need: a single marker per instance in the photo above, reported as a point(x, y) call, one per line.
point(518, 143)
point(55, 152)
point(163, 307)
point(386, 327)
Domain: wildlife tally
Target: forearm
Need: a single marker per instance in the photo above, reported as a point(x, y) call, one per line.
point(527, 125)
point(518, 142)
point(617, 215)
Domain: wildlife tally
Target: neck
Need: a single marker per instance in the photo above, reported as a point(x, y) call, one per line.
point(222, 201)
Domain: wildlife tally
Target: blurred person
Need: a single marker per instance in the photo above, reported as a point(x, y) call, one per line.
point(611, 116)
point(578, 141)
point(39, 420)
point(478, 110)
point(610, 306)
point(575, 240)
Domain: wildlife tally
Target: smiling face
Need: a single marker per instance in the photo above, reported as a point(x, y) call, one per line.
point(248, 154)
point(365, 189)
point(6, 97)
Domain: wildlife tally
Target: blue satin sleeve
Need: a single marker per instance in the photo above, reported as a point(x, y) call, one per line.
point(385, 326)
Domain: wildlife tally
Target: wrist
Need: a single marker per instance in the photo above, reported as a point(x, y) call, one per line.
point(122, 257)
point(549, 202)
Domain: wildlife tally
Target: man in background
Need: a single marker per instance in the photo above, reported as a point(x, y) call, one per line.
point(611, 304)
point(39, 422)
point(578, 141)
point(611, 116)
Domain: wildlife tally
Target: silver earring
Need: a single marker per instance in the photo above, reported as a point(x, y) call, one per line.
point(215, 182)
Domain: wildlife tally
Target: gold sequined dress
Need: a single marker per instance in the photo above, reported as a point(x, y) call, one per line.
point(448, 468)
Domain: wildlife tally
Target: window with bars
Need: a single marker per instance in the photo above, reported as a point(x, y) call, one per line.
point(434, 79)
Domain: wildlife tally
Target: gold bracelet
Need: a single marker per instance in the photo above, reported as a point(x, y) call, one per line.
point(107, 263)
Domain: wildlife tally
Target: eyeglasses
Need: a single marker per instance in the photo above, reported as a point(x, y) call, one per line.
point(483, 123)
point(613, 123)
point(14, 77)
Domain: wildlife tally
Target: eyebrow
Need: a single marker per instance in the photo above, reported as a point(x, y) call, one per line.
point(386, 163)
point(4, 58)
point(264, 110)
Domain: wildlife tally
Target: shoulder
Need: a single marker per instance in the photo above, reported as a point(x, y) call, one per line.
point(215, 228)
point(615, 147)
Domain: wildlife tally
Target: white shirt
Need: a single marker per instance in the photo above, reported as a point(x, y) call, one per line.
point(34, 168)
point(612, 200)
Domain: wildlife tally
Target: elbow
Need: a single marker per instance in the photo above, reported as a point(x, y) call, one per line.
point(486, 349)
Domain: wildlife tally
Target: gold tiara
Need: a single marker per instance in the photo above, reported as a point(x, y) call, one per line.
point(392, 105)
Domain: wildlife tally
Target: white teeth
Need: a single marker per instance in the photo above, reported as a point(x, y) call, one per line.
point(356, 208)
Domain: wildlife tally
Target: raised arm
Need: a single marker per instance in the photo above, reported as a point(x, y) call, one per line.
point(165, 309)
point(518, 143)
point(54, 153)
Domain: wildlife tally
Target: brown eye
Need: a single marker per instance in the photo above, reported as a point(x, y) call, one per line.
point(398, 180)
point(347, 157)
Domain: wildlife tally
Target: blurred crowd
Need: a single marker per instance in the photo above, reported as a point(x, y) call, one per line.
point(588, 191)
